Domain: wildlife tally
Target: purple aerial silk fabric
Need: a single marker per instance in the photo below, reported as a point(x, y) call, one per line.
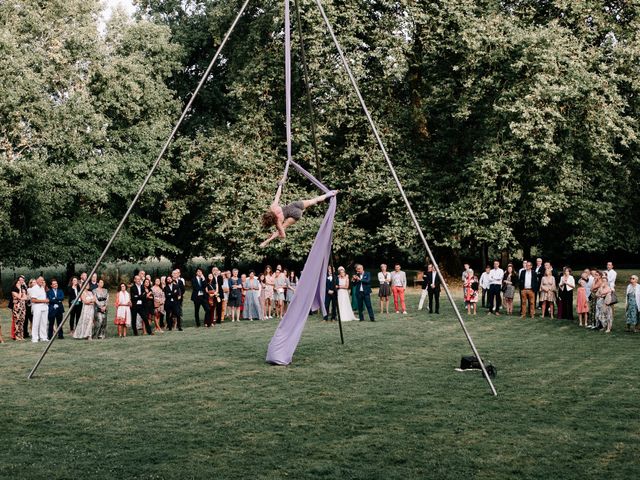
point(311, 288)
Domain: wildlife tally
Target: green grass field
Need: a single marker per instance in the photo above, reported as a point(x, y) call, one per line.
point(386, 405)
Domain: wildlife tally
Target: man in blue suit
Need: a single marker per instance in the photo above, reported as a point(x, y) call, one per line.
point(55, 296)
point(330, 294)
point(362, 282)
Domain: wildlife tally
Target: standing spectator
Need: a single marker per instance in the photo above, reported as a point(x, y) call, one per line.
point(509, 284)
point(612, 276)
point(524, 267)
point(362, 284)
point(172, 292)
point(137, 305)
point(582, 303)
point(149, 305)
point(29, 315)
point(268, 291)
point(399, 282)
point(539, 271)
point(84, 329)
point(548, 290)
point(292, 284)
point(158, 303)
point(593, 298)
point(211, 290)
point(197, 296)
point(243, 281)
point(465, 275)
point(123, 310)
point(218, 282)
point(225, 293)
point(330, 295)
point(433, 289)
point(102, 299)
point(40, 309)
point(384, 292)
point(485, 284)
point(263, 294)
point(632, 303)
point(604, 313)
point(565, 295)
point(279, 284)
point(471, 285)
point(252, 308)
point(93, 283)
point(181, 288)
point(425, 287)
point(83, 279)
point(19, 308)
point(75, 305)
point(528, 283)
point(496, 275)
point(344, 303)
point(235, 295)
point(56, 309)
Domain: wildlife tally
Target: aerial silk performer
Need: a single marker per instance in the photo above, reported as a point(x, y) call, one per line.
point(311, 288)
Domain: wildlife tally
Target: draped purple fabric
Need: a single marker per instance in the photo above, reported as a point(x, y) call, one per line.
point(311, 288)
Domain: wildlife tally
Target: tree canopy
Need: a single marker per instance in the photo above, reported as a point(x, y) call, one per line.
point(513, 125)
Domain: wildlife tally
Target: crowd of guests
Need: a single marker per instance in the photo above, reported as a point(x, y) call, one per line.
point(153, 305)
point(542, 287)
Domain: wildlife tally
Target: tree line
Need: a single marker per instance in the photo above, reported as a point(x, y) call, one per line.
point(513, 126)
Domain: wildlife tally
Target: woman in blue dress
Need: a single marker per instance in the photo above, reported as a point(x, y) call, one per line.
point(252, 308)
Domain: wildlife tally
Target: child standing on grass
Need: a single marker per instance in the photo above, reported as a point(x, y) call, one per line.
point(582, 304)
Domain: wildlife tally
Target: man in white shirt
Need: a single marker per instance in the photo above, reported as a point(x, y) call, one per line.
point(40, 310)
point(496, 275)
point(612, 275)
point(484, 285)
point(398, 286)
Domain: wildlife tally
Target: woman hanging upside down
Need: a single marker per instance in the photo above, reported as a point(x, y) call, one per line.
point(284, 217)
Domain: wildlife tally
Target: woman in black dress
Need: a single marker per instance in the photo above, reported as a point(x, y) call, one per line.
point(75, 308)
point(149, 311)
point(235, 295)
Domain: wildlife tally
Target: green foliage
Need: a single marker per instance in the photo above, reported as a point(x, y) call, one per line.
point(512, 125)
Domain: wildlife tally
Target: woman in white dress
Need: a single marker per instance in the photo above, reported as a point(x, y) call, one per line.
point(84, 329)
point(123, 310)
point(344, 302)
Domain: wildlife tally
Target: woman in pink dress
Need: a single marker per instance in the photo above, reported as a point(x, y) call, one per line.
point(471, 292)
point(269, 282)
point(582, 304)
point(123, 310)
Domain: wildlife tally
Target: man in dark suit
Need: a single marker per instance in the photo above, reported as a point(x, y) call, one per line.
point(362, 282)
point(179, 282)
point(528, 282)
point(137, 306)
point(330, 295)
point(539, 271)
point(218, 280)
point(431, 282)
point(55, 296)
point(198, 296)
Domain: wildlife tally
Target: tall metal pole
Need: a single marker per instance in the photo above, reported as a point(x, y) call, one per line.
point(402, 193)
point(146, 180)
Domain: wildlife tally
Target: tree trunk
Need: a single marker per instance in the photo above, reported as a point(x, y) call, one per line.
point(70, 271)
point(485, 256)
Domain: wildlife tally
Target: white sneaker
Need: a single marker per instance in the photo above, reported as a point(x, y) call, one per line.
point(404, 313)
point(397, 311)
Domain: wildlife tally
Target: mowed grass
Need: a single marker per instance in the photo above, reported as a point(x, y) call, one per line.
point(386, 405)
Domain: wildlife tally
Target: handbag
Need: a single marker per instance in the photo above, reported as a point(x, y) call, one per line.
point(613, 298)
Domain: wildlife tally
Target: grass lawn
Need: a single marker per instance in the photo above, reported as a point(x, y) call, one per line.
point(387, 405)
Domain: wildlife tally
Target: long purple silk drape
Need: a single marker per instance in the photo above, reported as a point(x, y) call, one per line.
point(311, 288)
